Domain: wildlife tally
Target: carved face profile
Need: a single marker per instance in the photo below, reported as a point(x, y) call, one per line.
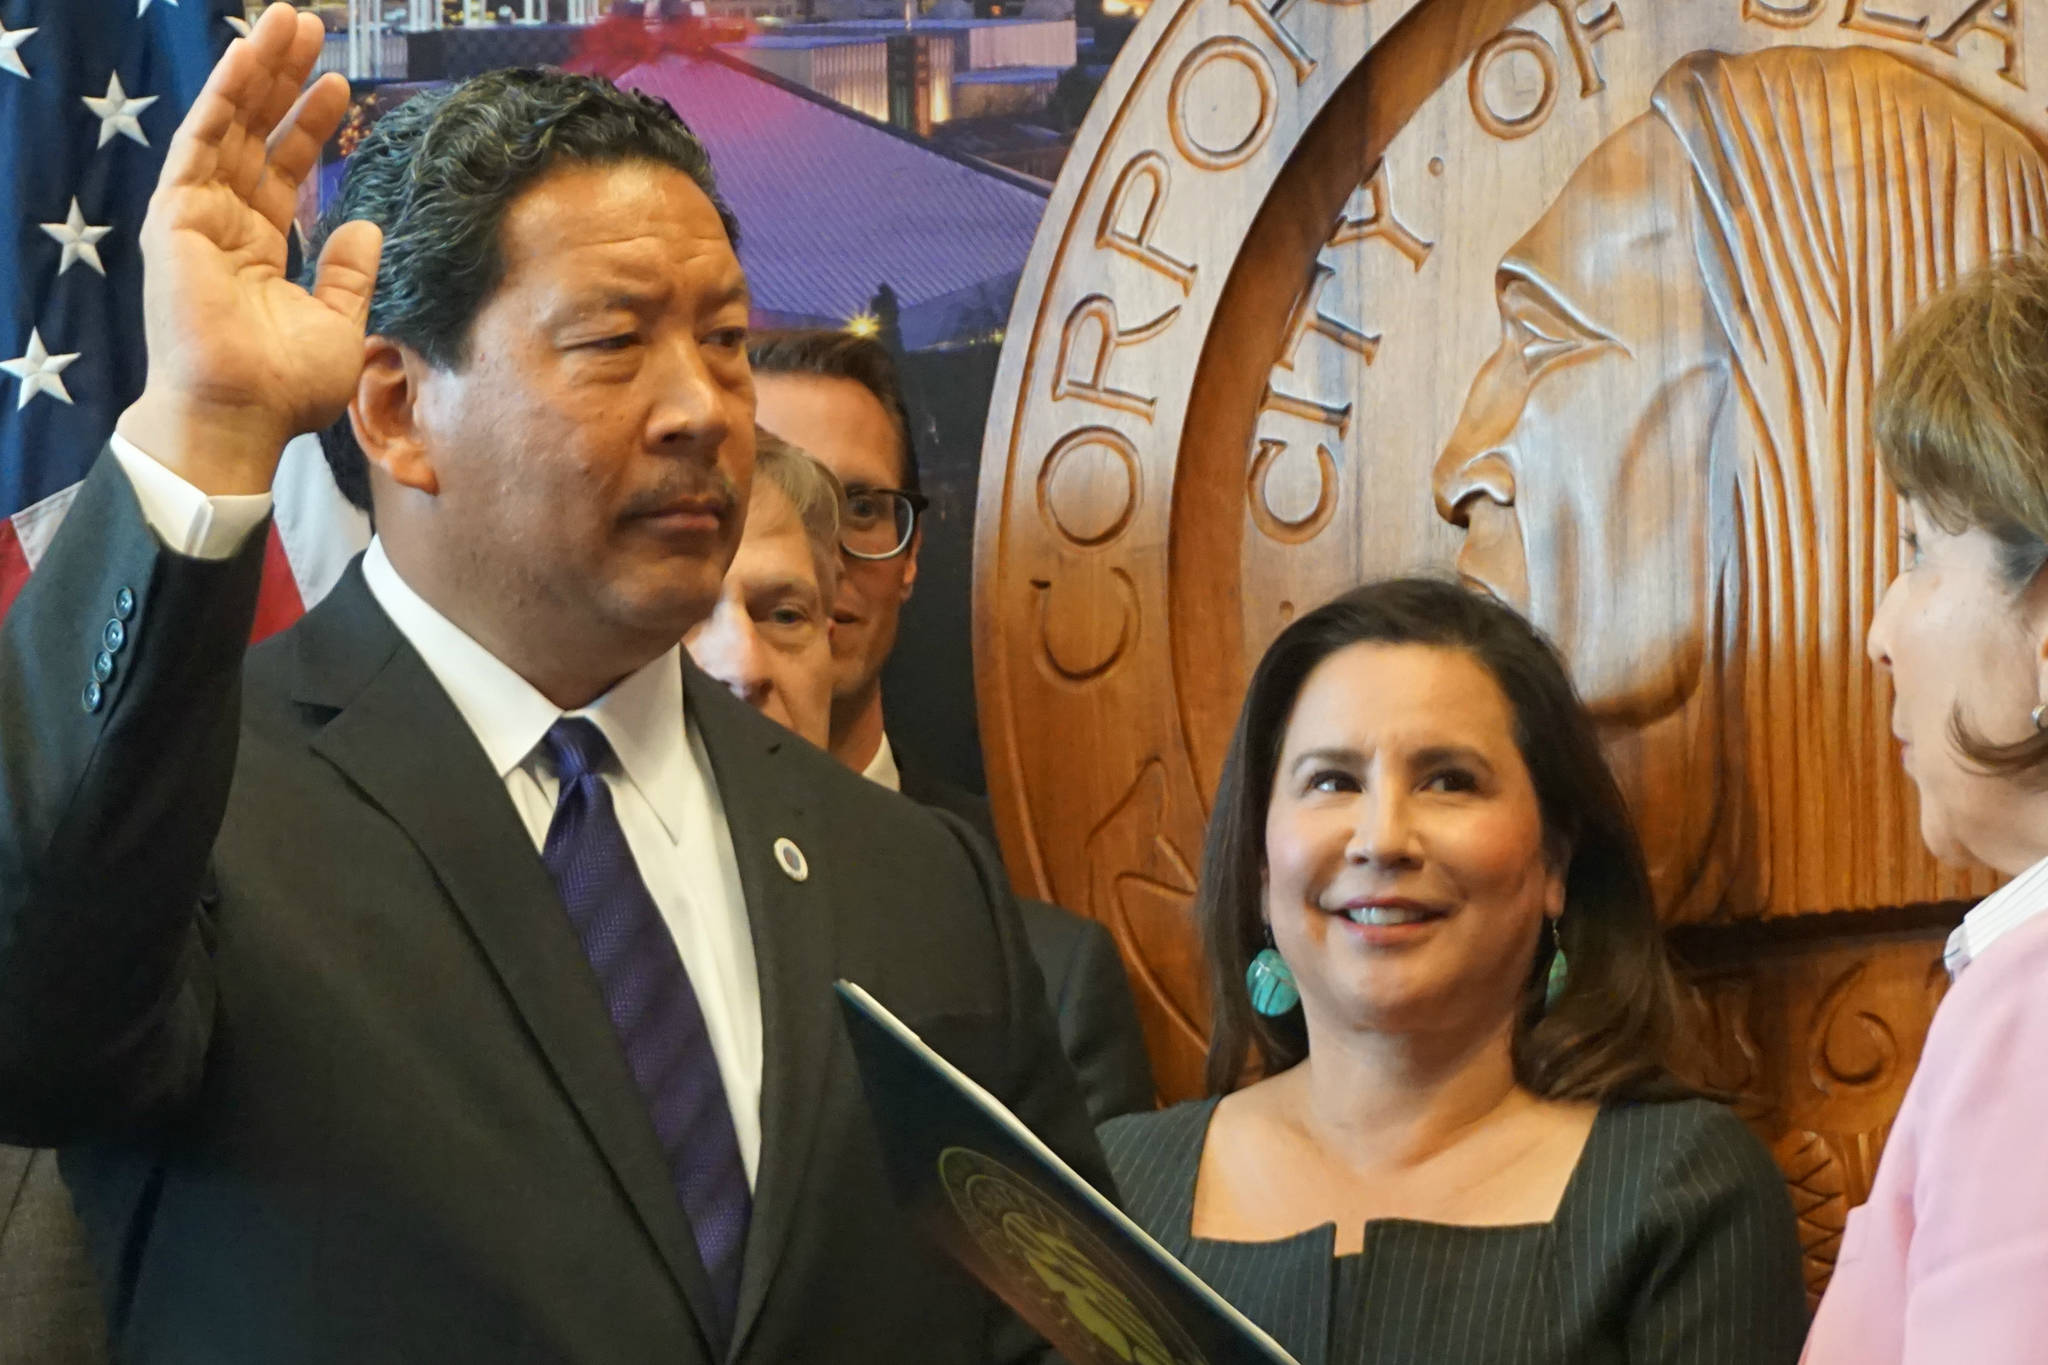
point(1577, 465)
point(1666, 463)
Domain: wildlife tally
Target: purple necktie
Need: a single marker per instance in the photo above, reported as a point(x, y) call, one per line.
point(654, 1011)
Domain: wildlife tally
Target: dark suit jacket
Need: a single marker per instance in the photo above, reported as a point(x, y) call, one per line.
point(1084, 974)
point(1091, 1002)
point(50, 1311)
point(281, 971)
point(927, 788)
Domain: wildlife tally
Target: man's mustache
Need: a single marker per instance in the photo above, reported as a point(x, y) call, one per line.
point(698, 487)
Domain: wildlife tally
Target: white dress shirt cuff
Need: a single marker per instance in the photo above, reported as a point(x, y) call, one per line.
point(187, 520)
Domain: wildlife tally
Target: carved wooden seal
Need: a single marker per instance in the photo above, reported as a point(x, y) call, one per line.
point(1582, 299)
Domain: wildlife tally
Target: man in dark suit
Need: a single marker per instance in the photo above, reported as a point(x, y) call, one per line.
point(452, 982)
point(836, 396)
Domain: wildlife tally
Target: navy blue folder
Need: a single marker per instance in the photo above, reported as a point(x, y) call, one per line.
point(1024, 1224)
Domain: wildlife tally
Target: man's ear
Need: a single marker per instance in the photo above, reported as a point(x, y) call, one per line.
point(910, 558)
point(386, 414)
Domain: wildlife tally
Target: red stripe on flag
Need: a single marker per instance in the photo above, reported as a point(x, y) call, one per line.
point(277, 602)
point(13, 565)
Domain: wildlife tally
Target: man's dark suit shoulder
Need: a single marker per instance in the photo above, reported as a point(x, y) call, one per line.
point(1085, 983)
point(914, 829)
point(1091, 1001)
point(927, 788)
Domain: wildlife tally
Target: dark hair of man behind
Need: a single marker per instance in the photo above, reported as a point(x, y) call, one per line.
point(438, 175)
point(1960, 414)
point(1608, 1035)
point(831, 354)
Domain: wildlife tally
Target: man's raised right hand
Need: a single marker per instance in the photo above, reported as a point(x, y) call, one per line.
point(241, 358)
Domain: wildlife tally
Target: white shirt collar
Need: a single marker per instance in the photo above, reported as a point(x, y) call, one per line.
point(641, 717)
point(1997, 915)
point(882, 767)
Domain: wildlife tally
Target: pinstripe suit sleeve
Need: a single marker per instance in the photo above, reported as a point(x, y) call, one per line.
point(1720, 1276)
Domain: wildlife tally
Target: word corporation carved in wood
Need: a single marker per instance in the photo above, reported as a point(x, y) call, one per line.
point(1580, 299)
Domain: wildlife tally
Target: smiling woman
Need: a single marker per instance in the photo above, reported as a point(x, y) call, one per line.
point(1416, 820)
point(1494, 760)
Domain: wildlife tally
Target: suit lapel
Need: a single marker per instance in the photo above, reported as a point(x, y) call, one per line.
point(793, 924)
point(399, 738)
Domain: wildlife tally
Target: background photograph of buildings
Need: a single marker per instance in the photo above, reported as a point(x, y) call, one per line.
point(889, 161)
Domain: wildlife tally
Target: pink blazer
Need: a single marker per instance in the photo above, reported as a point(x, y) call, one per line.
point(1948, 1262)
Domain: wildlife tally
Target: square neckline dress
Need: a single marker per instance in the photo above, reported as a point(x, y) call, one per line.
point(1674, 1243)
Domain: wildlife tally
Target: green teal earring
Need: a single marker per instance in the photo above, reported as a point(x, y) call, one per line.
point(1271, 981)
point(1560, 973)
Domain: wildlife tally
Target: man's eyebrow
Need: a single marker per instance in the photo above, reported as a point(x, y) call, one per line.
point(734, 292)
point(601, 299)
point(787, 586)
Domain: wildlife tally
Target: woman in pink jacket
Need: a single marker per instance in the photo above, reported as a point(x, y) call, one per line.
point(1948, 1261)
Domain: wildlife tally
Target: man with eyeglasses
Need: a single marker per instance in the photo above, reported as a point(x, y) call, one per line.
point(836, 396)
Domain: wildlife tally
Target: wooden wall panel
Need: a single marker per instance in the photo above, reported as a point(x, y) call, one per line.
point(1584, 299)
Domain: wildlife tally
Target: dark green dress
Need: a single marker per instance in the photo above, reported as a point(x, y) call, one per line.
point(1674, 1244)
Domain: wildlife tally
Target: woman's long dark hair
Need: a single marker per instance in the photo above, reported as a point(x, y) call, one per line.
point(1609, 1033)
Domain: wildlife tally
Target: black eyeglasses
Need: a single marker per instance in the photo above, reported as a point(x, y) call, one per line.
point(877, 523)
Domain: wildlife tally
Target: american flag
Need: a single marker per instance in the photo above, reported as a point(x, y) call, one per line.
point(90, 93)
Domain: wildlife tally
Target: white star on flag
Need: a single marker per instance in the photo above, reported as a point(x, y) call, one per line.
point(11, 40)
point(142, 5)
point(39, 371)
point(117, 112)
point(80, 240)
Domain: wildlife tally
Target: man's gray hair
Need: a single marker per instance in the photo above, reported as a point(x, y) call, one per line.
point(815, 492)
